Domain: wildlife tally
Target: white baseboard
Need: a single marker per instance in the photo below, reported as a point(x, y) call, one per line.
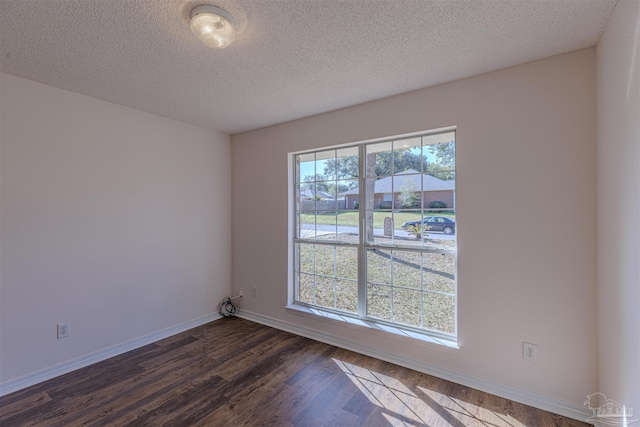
point(80, 362)
point(516, 394)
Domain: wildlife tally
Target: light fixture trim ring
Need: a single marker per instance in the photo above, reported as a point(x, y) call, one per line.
point(215, 10)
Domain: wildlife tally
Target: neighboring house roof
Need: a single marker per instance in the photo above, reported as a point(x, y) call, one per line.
point(409, 179)
point(307, 193)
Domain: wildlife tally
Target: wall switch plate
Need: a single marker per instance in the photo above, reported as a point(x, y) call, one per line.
point(241, 292)
point(64, 330)
point(530, 352)
point(254, 291)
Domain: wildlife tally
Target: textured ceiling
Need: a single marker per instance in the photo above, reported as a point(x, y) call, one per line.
point(290, 58)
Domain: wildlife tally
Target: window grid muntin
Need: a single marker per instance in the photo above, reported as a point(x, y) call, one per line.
point(315, 274)
point(314, 186)
point(424, 146)
point(364, 245)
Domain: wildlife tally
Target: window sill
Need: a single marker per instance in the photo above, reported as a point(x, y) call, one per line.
point(317, 314)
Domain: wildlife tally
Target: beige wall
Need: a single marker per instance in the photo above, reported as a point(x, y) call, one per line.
point(528, 133)
point(112, 219)
point(618, 72)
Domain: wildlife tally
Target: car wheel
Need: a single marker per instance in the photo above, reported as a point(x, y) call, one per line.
point(448, 230)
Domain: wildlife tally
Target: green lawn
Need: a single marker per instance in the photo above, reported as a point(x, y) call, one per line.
point(350, 218)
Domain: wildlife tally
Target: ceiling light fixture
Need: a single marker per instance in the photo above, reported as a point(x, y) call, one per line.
point(212, 25)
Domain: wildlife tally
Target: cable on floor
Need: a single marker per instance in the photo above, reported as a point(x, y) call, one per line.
point(228, 308)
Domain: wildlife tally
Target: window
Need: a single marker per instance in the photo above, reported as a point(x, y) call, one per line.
point(375, 232)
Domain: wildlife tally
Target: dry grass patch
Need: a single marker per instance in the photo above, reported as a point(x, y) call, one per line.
point(408, 287)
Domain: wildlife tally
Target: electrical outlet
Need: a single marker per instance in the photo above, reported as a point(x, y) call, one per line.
point(530, 352)
point(64, 330)
point(241, 292)
point(254, 291)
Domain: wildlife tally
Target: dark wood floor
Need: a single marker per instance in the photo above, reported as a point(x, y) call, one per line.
point(233, 372)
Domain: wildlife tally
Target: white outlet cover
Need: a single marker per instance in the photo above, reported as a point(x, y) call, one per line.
point(64, 330)
point(530, 351)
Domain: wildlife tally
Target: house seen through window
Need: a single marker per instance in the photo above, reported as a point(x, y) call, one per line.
point(375, 232)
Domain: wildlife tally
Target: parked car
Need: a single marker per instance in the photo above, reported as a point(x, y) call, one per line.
point(435, 223)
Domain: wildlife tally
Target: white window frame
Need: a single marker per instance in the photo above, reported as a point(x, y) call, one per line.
point(361, 318)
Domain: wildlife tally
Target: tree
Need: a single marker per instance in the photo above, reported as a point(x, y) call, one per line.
point(342, 168)
point(316, 182)
point(347, 167)
point(409, 196)
point(370, 193)
point(445, 152)
point(445, 164)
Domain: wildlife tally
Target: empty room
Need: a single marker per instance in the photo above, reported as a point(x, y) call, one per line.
point(320, 212)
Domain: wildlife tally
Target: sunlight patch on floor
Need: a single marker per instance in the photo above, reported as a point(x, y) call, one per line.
point(403, 407)
point(465, 412)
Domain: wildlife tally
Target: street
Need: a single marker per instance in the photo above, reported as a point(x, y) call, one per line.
point(376, 231)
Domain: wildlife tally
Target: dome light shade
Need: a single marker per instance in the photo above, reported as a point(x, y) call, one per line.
point(213, 26)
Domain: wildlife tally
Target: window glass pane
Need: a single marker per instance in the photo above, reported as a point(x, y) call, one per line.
point(325, 291)
point(305, 255)
point(306, 166)
point(408, 226)
point(407, 269)
point(379, 301)
point(444, 176)
point(384, 227)
point(439, 272)
point(407, 306)
point(378, 161)
point(323, 192)
point(408, 205)
point(347, 295)
point(348, 194)
point(407, 189)
point(379, 266)
point(440, 155)
point(348, 218)
point(439, 138)
point(344, 188)
point(347, 163)
point(382, 191)
point(306, 290)
point(369, 208)
point(439, 241)
point(326, 225)
point(407, 155)
point(439, 312)
point(325, 164)
point(325, 260)
point(347, 262)
point(307, 225)
point(330, 194)
point(327, 276)
point(440, 200)
point(348, 230)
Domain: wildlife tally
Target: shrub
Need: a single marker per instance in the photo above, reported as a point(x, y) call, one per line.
point(437, 204)
point(417, 230)
point(385, 205)
point(356, 205)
